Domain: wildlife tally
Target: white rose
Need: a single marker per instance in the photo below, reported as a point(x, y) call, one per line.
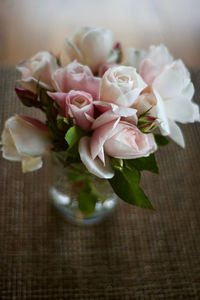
point(90, 46)
point(38, 70)
point(176, 90)
point(170, 97)
point(121, 85)
point(24, 140)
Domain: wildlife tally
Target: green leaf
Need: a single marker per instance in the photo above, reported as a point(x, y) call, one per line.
point(125, 183)
point(87, 199)
point(72, 137)
point(161, 140)
point(144, 163)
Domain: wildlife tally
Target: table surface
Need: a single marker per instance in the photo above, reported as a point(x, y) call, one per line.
point(29, 26)
point(136, 254)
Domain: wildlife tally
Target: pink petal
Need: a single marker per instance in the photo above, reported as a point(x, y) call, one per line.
point(100, 135)
point(79, 115)
point(114, 113)
point(60, 99)
point(37, 123)
point(60, 80)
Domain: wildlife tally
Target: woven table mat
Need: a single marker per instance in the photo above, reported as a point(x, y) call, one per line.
point(135, 254)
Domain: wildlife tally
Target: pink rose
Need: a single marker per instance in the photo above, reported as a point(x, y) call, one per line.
point(78, 105)
point(121, 140)
point(121, 85)
point(38, 70)
point(76, 77)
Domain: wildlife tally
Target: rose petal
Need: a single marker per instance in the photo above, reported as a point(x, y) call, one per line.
point(182, 110)
point(168, 84)
point(79, 115)
point(160, 113)
point(31, 164)
point(114, 113)
point(72, 50)
point(176, 134)
point(95, 166)
point(100, 135)
point(8, 147)
point(60, 99)
point(27, 139)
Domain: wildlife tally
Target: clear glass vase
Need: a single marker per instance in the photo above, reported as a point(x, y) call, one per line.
point(66, 185)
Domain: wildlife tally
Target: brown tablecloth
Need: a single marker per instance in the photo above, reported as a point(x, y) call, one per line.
point(136, 254)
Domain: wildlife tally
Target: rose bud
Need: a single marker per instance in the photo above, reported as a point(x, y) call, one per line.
point(27, 97)
point(37, 71)
point(147, 124)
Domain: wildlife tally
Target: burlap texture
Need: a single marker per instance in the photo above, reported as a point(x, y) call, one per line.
point(136, 254)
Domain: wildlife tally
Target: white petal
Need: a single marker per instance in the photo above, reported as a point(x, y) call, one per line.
point(160, 113)
point(28, 140)
point(95, 166)
point(129, 98)
point(188, 91)
point(72, 50)
point(182, 110)
point(176, 134)
point(8, 147)
point(31, 164)
point(169, 84)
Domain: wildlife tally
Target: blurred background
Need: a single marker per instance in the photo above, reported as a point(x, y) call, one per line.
point(28, 26)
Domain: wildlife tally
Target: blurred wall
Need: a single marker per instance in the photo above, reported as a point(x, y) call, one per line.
point(28, 26)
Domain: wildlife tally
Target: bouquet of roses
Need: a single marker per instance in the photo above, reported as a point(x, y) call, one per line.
point(108, 116)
